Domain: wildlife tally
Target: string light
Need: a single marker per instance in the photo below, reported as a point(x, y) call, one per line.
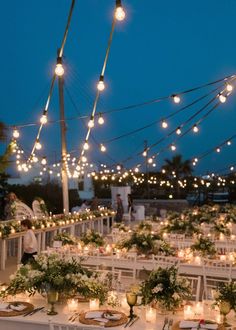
point(86, 145)
point(195, 129)
point(150, 160)
point(176, 99)
point(44, 161)
point(44, 119)
point(218, 150)
point(91, 122)
point(59, 70)
point(222, 98)
point(178, 131)
point(229, 143)
point(229, 87)
point(100, 119)
point(84, 159)
point(119, 12)
point(164, 124)
point(231, 168)
point(38, 145)
point(173, 147)
point(16, 133)
point(144, 153)
point(103, 148)
point(101, 85)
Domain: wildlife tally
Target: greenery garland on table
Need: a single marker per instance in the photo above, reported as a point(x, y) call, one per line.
point(180, 226)
point(92, 237)
point(65, 238)
point(220, 228)
point(121, 227)
point(204, 246)
point(164, 288)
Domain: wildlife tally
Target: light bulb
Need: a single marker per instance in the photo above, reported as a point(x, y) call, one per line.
point(176, 99)
point(91, 123)
point(178, 131)
point(229, 143)
point(34, 159)
point(229, 87)
point(217, 149)
point(164, 124)
point(118, 167)
point(136, 170)
point(38, 145)
point(119, 12)
point(222, 98)
point(145, 153)
point(59, 70)
point(103, 148)
point(44, 161)
point(195, 129)
point(173, 147)
point(100, 120)
point(84, 159)
point(43, 119)
point(231, 168)
point(196, 160)
point(101, 85)
point(15, 133)
point(150, 160)
point(86, 145)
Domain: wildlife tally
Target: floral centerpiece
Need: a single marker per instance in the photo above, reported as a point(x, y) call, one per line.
point(65, 238)
point(181, 226)
point(204, 246)
point(226, 292)
point(143, 242)
point(220, 228)
point(93, 238)
point(53, 273)
point(121, 227)
point(165, 289)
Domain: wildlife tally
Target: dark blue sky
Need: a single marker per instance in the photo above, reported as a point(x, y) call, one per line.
point(163, 47)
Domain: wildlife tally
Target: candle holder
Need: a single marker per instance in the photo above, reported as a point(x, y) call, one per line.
point(52, 297)
point(131, 298)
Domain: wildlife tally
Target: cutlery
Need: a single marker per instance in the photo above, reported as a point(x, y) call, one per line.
point(128, 322)
point(134, 320)
point(33, 312)
point(165, 323)
point(170, 324)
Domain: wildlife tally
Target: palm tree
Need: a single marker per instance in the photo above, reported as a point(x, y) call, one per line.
point(177, 168)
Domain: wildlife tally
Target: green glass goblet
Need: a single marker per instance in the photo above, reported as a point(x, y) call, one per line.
point(131, 298)
point(52, 297)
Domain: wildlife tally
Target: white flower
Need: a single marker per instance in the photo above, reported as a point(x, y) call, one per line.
point(157, 288)
point(175, 296)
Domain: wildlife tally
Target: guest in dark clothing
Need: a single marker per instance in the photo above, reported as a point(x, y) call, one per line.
point(131, 206)
point(119, 209)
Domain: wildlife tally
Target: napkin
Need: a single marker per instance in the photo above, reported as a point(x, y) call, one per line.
point(188, 324)
point(101, 319)
point(210, 326)
point(17, 307)
point(114, 317)
point(93, 315)
point(4, 307)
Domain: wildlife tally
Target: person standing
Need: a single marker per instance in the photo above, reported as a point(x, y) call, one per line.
point(119, 209)
point(131, 206)
point(29, 244)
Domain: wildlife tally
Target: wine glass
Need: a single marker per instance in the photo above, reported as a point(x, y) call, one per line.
point(131, 298)
point(224, 308)
point(52, 297)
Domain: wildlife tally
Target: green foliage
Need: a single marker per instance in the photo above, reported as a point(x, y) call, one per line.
point(204, 246)
point(92, 237)
point(163, 286)
point(65, 238)
point(227, 292)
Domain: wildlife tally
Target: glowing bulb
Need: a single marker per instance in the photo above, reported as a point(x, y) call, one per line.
point(34, 159)
point(43, 119)
point(101, 85)
point(164, 124)
point(231, 168)
point(91, 123)
point(144, 153)
point(44, 161)
point(86, 145)
point(178, 131)
point(100, 120)
point(195, 129)
point(217, 149)
point(59, 70)
point(173, 147)
point(84, 159)
point(38, 145)
point(222, 98)
point(229, 87)
point(103, 148)
point(119, 12)
point(176, 98)
point(136, 170)
point(118, 167)
point(229, 143)
point(15, 133)
point(196, 160)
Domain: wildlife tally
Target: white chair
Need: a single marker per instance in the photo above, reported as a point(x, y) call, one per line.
point(163, 261)
point(215, 272)
point(195, 285)
point(23, 211)
point(57, 326)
